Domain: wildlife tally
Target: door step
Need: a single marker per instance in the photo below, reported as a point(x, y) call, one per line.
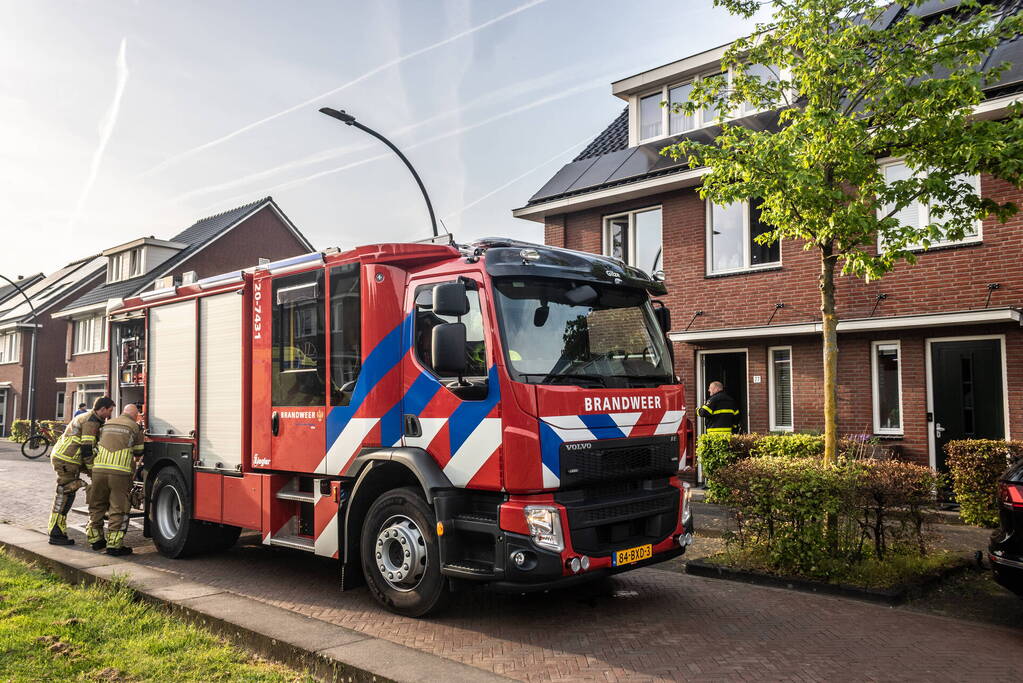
point(468, 569)
point(300, 496)
point(293, 542)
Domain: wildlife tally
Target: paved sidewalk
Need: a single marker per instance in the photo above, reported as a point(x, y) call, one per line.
point(645, 625)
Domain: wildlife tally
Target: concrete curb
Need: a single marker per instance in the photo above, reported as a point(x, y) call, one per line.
point(329, 652)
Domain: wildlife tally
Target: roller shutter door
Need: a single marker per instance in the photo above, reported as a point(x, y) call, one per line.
point(220, 380)
point(171, 387)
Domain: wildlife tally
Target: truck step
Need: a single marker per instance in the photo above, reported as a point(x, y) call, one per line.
point(475, 521)
point(468, 569)
point(294, 542)
point(300, 496)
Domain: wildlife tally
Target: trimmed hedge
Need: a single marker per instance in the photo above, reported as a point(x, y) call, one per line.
point(976, 465)
point(814, 519)
point(718, 450)
point(20, 429)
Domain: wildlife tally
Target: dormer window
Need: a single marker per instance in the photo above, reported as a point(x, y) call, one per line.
point(125, 265)
point(656, 121)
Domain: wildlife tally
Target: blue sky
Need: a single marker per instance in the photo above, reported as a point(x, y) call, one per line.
point(123, 119)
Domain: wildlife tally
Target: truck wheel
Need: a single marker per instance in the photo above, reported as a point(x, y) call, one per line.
point(400, 554)
point(175, 533)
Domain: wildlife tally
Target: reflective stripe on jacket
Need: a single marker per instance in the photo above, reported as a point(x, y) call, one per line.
point(120, 439)
point(81, 431)
point(720, 414)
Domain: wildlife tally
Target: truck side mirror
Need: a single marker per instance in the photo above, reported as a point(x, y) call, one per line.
point(449, 299)
point(448, 349)
point(663, 315)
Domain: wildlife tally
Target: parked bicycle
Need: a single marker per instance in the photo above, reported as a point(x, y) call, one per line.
point(40, 438)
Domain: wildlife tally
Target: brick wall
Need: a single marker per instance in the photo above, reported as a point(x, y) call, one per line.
point(950, 279)
point(942, 280)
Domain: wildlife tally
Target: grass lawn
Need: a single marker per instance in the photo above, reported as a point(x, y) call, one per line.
point(51, 630)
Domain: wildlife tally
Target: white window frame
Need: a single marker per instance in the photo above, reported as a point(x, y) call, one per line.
point(746, 251)
point(774, 427)
point(631, 256)
point(59, 413)
point(924, 211)
point(10, 347)
point(699, 120)
point(874, 389)
point(96, 337)
point(119, 265)
point(83, 390)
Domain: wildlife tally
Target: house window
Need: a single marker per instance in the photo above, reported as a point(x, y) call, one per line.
point(88, 393)
point(58, 412)
point(125, 265)
point(917, 214)
point(731, 239)
point(656, 121)
point(9, 347)
point(90, 334)
point(779, 387)
point(887, 387)
point(650, 115)
point(635, 238)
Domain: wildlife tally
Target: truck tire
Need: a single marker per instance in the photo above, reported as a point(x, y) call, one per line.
point(401, 556)
point(174, 532)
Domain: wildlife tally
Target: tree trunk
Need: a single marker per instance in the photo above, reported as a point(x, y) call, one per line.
point(830, 339)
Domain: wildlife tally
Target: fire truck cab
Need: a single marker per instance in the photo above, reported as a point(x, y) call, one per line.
point(428, 414)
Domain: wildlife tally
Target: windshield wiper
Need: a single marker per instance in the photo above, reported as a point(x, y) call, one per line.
point(552, 378)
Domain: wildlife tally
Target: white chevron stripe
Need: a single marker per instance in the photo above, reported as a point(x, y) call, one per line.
point(431, 426)
point(471, 455)
point(550, 480)
point(670, 422)
point(326, 542)
point(346, 446)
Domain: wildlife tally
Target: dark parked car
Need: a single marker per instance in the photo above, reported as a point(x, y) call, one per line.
point(1006, 549)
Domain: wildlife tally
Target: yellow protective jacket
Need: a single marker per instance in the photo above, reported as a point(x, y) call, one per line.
point(119, 440)
point(78, 439)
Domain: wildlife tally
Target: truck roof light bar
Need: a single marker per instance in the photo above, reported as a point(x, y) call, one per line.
point(218, 280)
point(158, 293)
point(294, 263)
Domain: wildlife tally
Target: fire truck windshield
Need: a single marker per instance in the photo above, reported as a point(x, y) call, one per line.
point(562, 332)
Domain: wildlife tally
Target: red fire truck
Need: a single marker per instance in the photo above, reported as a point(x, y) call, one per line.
point(428, 414)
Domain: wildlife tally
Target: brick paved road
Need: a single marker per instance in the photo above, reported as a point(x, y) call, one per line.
point(647, 625)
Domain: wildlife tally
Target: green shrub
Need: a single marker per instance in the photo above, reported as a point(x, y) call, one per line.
point(789, 446)
point(976, 466)
point(808, 517)
point(20, 429)
point(719, 450)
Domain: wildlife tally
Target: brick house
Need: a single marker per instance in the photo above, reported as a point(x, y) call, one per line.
point(33, 344)
point(228, 241)
point(930, 353)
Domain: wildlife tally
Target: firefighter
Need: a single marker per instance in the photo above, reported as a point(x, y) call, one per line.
point(73, 454)
point(720, 414)
point(120, 440)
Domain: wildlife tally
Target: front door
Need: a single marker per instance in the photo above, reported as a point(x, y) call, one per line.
point(298, 370)
point(967, 389)
point(3, 412)
point(729, 368)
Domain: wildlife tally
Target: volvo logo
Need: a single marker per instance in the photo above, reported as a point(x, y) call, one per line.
point(578, 446)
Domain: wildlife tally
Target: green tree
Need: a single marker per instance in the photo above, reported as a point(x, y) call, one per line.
point(850, 90)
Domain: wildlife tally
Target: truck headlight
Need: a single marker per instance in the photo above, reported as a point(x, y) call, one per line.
point(687, 497)
point(544, 524)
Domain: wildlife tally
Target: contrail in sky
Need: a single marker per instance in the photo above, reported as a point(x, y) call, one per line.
point(597, 82)
point(372, 72)
point(519, 177)
point(106, 129)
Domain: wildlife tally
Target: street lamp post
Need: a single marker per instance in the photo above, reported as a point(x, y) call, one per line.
point(348, 119)
point(32, 353)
